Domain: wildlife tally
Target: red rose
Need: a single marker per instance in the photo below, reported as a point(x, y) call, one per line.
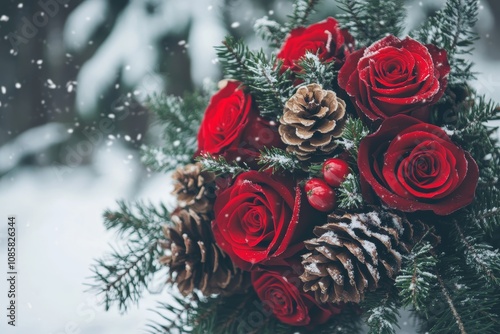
point(414, 166)
point(395, 76)
point(232, 127)
point(280, 290)
point(325, 39)
point(257, 219)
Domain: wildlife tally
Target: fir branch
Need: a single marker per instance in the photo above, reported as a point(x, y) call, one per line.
point(261, 76)
point(123, 275)
point(278, 160)
point(316, 71)
point(163, 158)
point(302, 9)
point(485, 212)
point(347, 322)
point(275, 33)
point(452, 29)
point(350, 193)
point(270, 31)
point(480, 256)
point(315, 170)
point(381, 312)
point(175, 316)
point(460, 302)
point(370, 20)
point(417, 277)
point(354, 131)
point(471, 131)
point(225, 315)
point(220, 166)
point(451, 304)
point(180, 119)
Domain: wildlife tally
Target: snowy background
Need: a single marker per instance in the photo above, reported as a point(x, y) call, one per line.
point(89, 63)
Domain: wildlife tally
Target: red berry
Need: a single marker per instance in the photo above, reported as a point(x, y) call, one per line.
point(335, 171)
point(320, 195)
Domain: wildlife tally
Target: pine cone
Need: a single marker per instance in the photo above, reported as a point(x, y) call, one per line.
point(355, 252)
point(194, 188)
point(196, 261)
point(312, 119)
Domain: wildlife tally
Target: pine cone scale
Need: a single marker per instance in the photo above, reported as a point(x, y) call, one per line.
point(311, 121)
point(358, 251)
point(195, 261)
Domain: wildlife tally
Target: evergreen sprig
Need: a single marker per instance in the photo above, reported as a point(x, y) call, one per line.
point(302, 9)
point(277, 159)
point(354, 131)
point(350, 196)
point(417, 277)
point(452, 28)
point(180, 120)
point(237, 314)
point(275, 33)
point(176, 316)
point(485, 212)
point(471, 130)
point(459, 299)
point(370, 20)
point(220, 166)
point(316, 71)
point(271, 31)
point(381, 313)
point(460, 303)
point(261, 75)
point(122, 276)
point(479, 255)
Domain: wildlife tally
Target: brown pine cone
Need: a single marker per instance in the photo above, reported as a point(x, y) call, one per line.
point(196, 261)
point(313, 118)
point(194, 187)
point(355, 252)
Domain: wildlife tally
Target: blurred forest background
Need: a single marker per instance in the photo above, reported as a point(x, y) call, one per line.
point(74, 75)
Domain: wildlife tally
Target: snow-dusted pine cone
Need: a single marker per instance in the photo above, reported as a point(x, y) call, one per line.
point(313, 118)
point(354, 252)
point(194, 188)
point(195, 261)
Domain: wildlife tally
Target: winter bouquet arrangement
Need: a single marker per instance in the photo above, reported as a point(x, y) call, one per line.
point(343, 174)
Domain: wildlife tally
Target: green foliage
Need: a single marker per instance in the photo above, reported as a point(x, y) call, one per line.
point(220, 166)
point(475, 136)
point(485, 212)
point(370, 20)
point(302, 9)
point(316, 71)
point(237, 314)
point(347, 322)
point(460, 303)
point(275, 33)
point(350, 193)
point(180, 119)
point(175, 316)
point(278, 160)
point(121, 276)
point(452, 29)
point(381, 313)
point(260, 74)
point(479, 255)
point(271, 31)
point(354, 132)
point(417, 277)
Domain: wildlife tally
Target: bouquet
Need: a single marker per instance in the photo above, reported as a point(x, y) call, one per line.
point(345, 174)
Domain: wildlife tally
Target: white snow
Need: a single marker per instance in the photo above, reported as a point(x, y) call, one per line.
point(60, 233)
